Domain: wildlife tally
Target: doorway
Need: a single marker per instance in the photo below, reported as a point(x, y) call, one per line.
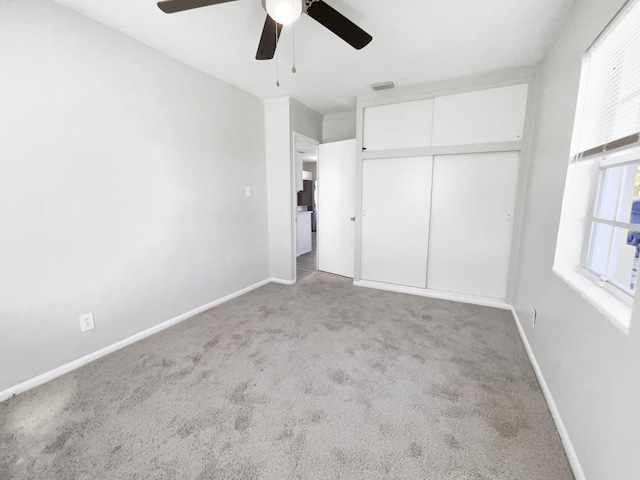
point(306, 205)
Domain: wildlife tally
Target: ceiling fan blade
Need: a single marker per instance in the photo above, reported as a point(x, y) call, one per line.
point(173, 6)
point(339, 24)
point(268, 39)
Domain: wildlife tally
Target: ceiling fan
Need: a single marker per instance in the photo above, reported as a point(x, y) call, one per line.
point(281, 12)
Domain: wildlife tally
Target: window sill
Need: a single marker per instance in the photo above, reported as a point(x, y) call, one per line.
point(617, 311)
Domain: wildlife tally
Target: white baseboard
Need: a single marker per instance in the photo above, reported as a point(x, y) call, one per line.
point(282, 282)
point(555, 413)
point(68, 367)
point(454, 297)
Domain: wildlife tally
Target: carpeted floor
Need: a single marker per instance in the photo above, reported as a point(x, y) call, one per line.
point(321, 380)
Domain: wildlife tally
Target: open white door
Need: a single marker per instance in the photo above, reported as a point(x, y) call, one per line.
point(336, 207)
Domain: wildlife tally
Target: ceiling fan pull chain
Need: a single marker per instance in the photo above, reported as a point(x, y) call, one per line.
point(293, 31)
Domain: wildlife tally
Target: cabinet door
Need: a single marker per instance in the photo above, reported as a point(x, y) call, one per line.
point(398, 125)
point(303, 234)
point(471, 222)
point(485, 116)
point(396, 198)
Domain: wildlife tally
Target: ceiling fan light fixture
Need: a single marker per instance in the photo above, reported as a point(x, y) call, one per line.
point(284, 11)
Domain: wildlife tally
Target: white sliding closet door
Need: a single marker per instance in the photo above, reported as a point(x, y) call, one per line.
point(471, 222)
point(396, 200)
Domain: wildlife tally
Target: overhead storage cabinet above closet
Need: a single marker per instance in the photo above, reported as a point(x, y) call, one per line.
point(398, 125)
point(439, 184)
point(486, 116)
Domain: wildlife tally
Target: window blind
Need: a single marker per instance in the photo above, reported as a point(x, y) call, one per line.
point(611, 110)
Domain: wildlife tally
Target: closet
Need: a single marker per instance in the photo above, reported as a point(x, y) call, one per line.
point(396, 195)
point(439, 180)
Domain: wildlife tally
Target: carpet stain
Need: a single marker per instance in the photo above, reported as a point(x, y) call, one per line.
point(239, 395)
point(505, 428)
point(419, 358)
point(331, 327)
point(285, 434)
point(241, 340)
point(209, 345)
point(241, 469)
point(186, 430)
point(362, 399)
point(340, 456)
point(446, 392)
point(59, 443)
point(340, 377)
point(415, 450)
point(451, 442)
point(242, 422)
point(379, 366)
point(174, 377)
point(299, 441)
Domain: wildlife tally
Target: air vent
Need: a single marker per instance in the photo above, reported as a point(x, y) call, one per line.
point(383, 86)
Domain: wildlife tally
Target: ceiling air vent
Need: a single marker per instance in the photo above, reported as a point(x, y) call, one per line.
point(383, 86)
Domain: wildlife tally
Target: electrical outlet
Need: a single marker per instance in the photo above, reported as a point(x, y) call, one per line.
point(534, 315)
point(86, 322)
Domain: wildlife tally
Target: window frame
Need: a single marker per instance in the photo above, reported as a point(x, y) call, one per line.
point(583, 183)
point(620, 157)
point(618, 152)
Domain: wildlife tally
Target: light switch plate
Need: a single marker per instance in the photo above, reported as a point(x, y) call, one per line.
point(247, 191)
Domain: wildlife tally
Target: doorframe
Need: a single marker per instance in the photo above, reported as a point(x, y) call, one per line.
point(295, 137)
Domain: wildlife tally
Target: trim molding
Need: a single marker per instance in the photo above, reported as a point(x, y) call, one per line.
point(68, 367)
point(454, 297)
point(574, 461)
point(282, 282)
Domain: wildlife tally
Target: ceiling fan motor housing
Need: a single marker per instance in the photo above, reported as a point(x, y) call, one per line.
point(320, 11)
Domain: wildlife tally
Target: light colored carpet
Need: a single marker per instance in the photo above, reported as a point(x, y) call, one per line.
point(321, 380)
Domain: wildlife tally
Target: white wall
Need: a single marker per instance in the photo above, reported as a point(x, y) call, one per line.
point(279, 185)
point(590, 366)
point(338, 126)
point(122, 188)
point(283, 116)
point(306, 121)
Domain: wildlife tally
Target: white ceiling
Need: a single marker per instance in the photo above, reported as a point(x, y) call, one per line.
point(414, 41)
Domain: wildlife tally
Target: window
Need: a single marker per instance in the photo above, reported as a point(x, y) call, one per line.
point(613, 248)
point(606, 136)
point(610, 86)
